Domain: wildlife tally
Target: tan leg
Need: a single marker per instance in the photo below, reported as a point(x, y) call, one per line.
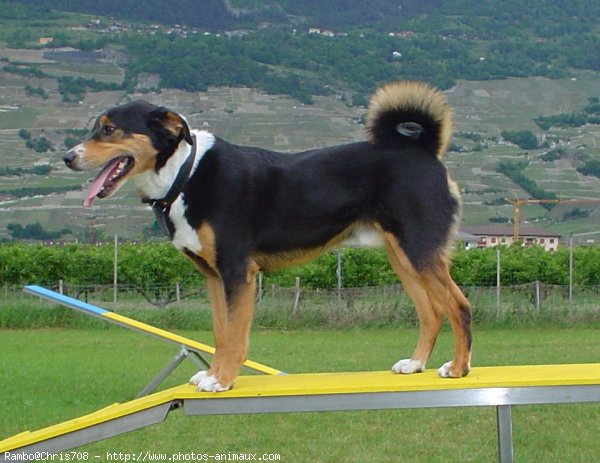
point(239, 321)
point(231, 325)
point(458, 310)
point(430, 318)
point(216, 295)
point(434, 293)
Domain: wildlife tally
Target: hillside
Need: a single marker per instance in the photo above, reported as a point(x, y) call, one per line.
point(49, 95)
point(547, 18)
point(482, 111)
point(295, 51)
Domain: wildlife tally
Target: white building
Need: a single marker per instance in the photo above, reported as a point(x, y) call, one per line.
point(487, 237)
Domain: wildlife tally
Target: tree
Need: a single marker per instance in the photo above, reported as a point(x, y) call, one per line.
point(524, 139)
point(34, 231)
point(514, 171)
point(591, 167)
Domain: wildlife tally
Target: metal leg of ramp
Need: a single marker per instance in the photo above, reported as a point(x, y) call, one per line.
point(184, 353)
point(505, 440)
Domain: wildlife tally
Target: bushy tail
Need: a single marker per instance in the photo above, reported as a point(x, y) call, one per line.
point(410, 112)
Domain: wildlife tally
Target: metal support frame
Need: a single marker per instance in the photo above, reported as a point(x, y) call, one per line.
point(184, 353)
point(505, 440)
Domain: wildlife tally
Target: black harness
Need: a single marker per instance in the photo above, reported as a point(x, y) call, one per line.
point(162, 206)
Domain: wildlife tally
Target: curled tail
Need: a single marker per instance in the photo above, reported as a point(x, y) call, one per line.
point(403, 113)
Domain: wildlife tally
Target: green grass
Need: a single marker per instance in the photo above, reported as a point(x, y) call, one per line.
point(53, 375)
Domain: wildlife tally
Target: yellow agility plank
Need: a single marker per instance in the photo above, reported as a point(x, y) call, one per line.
point(107, 414)
point(386, 381)
point(158, 332)
point(130, 323)
point(485, 386)
point(175, 338)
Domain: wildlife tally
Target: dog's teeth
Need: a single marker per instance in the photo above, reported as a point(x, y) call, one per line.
point(119, 169)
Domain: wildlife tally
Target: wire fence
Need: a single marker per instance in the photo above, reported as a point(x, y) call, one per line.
point(379, 304)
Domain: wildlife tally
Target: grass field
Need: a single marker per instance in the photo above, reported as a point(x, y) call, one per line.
point(52, 375)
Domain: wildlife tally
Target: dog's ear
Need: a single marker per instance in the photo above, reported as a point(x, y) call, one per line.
point(174, 123)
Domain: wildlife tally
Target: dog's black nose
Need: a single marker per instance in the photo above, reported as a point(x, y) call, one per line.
point(69, 157)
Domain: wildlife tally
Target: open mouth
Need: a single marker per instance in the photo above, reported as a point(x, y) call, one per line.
point(108, 180)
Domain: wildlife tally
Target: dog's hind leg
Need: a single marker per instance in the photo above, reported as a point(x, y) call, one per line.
point(434, 294)
point(445, 292)
point(430, 316)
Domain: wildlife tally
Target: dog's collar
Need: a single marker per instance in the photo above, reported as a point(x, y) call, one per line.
point(162, 206)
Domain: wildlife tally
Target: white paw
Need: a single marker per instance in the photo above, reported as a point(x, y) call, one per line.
point(198, 377)
point(206, 383)
point(444, 370)
point(408, 366)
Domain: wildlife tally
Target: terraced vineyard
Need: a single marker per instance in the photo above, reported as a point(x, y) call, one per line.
point(482, 111)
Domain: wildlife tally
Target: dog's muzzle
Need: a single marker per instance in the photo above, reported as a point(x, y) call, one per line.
point(69, 158)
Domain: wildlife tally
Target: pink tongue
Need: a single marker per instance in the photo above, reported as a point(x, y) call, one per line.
point(99, 181)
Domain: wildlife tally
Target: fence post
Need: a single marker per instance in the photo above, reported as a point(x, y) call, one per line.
point(177, 291)
point(260, 286)
point(498, 282)
point(338, 274)
point(296, 296)
point(61, 288)
point(115, 266)
point(537, 296)
point(570, 269)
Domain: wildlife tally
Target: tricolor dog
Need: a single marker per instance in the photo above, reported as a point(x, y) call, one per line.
point(237, 210)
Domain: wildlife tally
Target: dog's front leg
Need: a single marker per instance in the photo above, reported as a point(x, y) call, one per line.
point(216, 294)
point(233, 307)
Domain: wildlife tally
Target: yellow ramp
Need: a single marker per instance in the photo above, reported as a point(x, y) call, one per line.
point(485, 386)
point(136, 325)
point(384, 381)
point(141, 412)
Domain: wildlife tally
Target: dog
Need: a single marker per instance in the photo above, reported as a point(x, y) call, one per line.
point(237, 210)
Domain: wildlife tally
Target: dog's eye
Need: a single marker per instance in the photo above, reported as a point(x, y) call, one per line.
point(107, 129)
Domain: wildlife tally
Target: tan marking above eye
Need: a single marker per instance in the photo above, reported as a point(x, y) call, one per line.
point(102, 120)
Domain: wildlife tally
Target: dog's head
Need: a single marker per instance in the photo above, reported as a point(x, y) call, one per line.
point(127, 140)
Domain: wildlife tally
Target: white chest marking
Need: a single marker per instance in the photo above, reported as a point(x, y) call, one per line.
point(156, 184)
point(185, 236)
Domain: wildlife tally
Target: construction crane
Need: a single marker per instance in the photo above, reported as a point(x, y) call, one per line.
point(518, 202)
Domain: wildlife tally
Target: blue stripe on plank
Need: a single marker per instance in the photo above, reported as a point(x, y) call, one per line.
point(65, 300)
